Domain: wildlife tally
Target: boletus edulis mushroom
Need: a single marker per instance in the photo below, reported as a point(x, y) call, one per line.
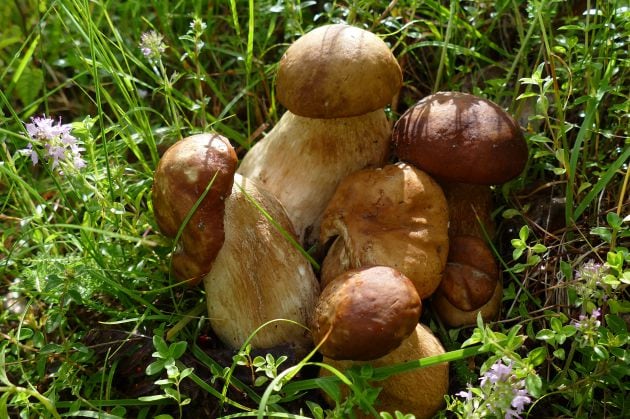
point(183, 173)
point(419, 391)
point(393, 216)
point(461, 139)
point(259, 275)
point(365, 313)
point(470, 284)
point(467, 143)
point(256, 274)
point(335, 82)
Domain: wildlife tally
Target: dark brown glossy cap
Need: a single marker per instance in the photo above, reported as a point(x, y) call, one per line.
point(471, 273)
point(337, 71)
point(458, 137)
point(368, 313)
point(182, 176)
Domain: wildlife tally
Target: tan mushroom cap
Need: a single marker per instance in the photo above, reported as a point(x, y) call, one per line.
point(420, 391)
point(471, 273)
point(336, 71)
point(365, 313)
point(395, 216)
point(182, 175)
point(458, 137)
point(452, 316)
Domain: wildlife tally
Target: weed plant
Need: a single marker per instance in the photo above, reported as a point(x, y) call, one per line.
point(92, 92)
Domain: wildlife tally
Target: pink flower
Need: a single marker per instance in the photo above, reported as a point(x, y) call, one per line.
point(58, 146)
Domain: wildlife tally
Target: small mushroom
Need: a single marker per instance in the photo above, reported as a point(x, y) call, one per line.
point(335, 82)
point(259, 275)
point(184, 172)
point(456, 317)
point(395, 216)
point(419, 391)
point(365, 313)
point(470, 279)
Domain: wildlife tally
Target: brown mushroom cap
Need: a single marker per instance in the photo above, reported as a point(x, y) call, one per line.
point(336, 71)
point(454, 317)
point(365, 313)
point(395, 216)
point(420, 391)
point(459, 137)
point(182, 175)
point(471, 273)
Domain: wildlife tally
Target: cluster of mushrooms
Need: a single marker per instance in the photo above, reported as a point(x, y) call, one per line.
point(395, 234)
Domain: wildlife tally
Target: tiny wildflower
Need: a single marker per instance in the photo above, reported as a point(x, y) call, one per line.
point(152, 45)
point(197, 26)
point(588, 327)
point(500, 394)
point(589, 285)
point(58, 145)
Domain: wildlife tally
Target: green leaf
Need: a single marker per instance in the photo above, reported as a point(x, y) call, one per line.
point(534, 385)
point(260, 381)
point(600, 353)
point(559, 353)
point(566, 269)
point(537, 356)
point(546, 334)
point(160, 345)
point(25, 333)
point(539, 248)
point(603, 233)
point(185, 373)
point(153, 398)
point(614, 220)
point(177, 349)
point(155, 367)
point(616, 324)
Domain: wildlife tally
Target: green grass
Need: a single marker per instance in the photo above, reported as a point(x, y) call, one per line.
point(85, 287)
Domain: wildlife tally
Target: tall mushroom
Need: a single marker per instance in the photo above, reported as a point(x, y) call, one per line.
point(395, 216)
point(466, 143)
point(256, 274)
point(335, 82)
point(259, 275)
